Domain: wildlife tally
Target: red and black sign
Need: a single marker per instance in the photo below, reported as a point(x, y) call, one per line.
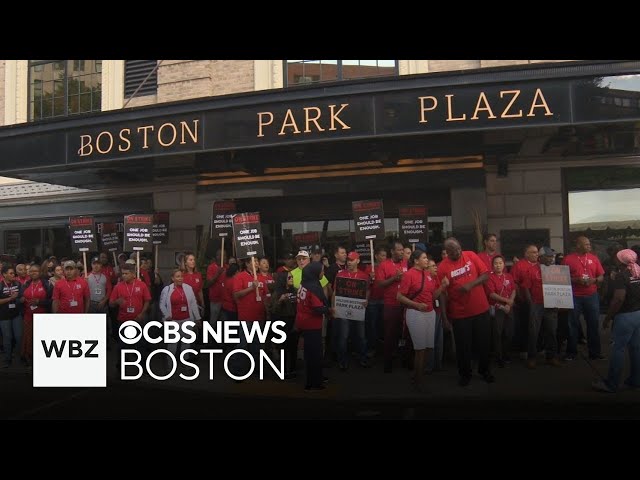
point(109, 236)
point(83, 234)
point(223, 212)
point(247, 235)
point(350, 287)
point(413, 223)
point(138, 233)
point(161, 228)
point(368, 216)
point(306, 241)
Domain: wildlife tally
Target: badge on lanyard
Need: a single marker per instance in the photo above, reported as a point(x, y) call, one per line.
point(12, 305)
point(34, 307)
point(131, 310)
point(183, 309)
point(98, 291)
point(73, 303)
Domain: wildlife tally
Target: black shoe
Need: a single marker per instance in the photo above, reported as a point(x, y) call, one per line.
point(464, 381)
point(488, 377)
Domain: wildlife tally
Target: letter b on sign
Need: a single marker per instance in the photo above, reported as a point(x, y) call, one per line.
point(69, 350)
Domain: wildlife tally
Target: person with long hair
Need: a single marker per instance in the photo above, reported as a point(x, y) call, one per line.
point(37, 299)
point(178, 304)
point(624, 309)
point(192, 277)
point(417, 292)
point(312, 305)
point(10, 313)
point(284, 307)
point(58, 273)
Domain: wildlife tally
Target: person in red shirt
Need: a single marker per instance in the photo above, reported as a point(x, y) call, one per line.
point(490, 244)
point(107, 269)
point(375, 307)
point(388, 276)
point(251, 298)
point(586, 274)
point(312, 305)
point(467, 308)
point(535, 297)
point(519, 272)
point(501, 292)
point(21, 273)
point(132, 298)
point(192, 277)
point(289, 263)
point(434, 358)
point(264, 275)
point(215, 274)
point(71, 294)
point(37, 294)
point(417, 292)
point(344, 325)
point(229, 308)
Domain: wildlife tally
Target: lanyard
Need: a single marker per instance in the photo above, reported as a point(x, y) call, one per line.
point(33, 286)
point(130, 292)
point(73, 295)
point(584, 264)
point(98, 279)
point(181, 292)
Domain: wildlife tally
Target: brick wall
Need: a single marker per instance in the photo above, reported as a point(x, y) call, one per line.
point(232, 76)
point(451, 65)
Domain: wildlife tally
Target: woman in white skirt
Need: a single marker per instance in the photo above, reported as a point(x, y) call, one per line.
point(178, 304)
point(417, 291)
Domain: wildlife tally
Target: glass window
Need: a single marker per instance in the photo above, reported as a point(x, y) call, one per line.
point(299, 72)
point(64, 87)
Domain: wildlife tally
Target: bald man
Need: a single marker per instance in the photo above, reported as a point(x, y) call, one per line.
point(467, 308)
point(586, 274)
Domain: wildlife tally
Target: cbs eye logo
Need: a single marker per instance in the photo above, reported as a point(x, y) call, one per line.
point(130, 332)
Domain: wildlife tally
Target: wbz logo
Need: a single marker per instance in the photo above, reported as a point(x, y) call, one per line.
point(69, 350)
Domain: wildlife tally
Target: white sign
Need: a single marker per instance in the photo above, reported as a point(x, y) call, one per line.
point(69, 350)
point(350, 308)
point(556, 286)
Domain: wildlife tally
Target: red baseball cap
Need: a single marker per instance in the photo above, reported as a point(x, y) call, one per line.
point(353, 256)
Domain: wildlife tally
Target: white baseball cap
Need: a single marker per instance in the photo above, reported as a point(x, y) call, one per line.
point(302, 253)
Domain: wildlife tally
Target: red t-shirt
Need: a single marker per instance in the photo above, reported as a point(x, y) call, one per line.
point(579, 265)
point(228, 303)
point(110, 273)
point(145, 277)
point(23, 280)
point(34, 291)
point(467, 268)
point(388, 269)
point(76, 291)
point(179, 304)
point(533, 283)
point(502, 284)
point(519, 271)
point(376, 293)
point(410, 285)
point(267, 279)
point(249, 309)
point(215, 289)
point(135, 294)
point(306, 317)
point(487, 259)
point(194, 280)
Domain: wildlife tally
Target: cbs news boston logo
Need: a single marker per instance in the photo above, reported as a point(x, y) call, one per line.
point(69, 350)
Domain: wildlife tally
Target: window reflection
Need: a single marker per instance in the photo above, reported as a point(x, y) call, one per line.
point(313, 71)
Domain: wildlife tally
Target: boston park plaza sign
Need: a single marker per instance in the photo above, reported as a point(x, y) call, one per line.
point(430, 110)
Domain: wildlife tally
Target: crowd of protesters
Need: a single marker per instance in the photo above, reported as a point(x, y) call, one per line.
point(418, 306)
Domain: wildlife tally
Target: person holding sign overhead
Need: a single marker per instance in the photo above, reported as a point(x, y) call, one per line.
point(417, 293)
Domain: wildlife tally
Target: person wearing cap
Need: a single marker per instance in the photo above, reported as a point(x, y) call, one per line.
point(303, 259)
point(289, 263)
point(624, 310)
point(132, 298)
point(344, 325)
point(316, 254)
point(100, 288)
point(586, 274)
point(539, 316)
point(71, 294)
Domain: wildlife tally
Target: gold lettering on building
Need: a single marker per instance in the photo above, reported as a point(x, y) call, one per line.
point(309, 119)
point(125, 139)
point(103, 134)
point(193, 134)
point(334, 117)
point(289, 121)
point(86, 148)
point(145, 130)
point(450, 117)
point(535, 105)
point(516, 94)
point(173, 129)
point(482, 98)
point(424, 109)
point(263, 124)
